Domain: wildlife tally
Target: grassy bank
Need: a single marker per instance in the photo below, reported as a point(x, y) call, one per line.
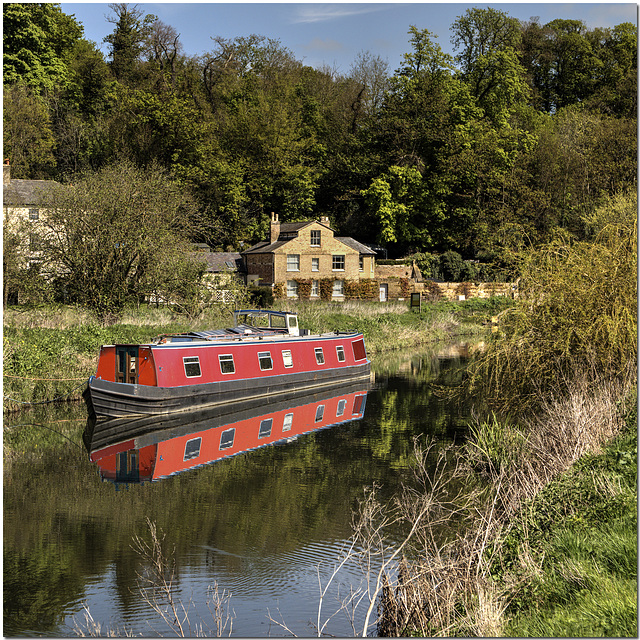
point(49, 353)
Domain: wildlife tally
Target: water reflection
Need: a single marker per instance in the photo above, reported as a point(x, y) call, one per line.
point(151, 448)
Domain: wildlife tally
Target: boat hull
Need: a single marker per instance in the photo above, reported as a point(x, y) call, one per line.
point(117, 399)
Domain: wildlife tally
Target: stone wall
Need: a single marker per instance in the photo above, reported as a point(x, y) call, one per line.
point(431, 290)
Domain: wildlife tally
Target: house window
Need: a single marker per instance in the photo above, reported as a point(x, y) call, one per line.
point(287, 359)
point(315, 288)
point(226, 438)
point(315, 264)
point(265, 428)
point(192, 367)
point(288, 421)
point(338, 287)
point(337, 263)
point(192, 449)
point(341, 407)
point(264, 357)
point(315, 238)
point(226, 363)
point(293, 262)
point(34, 214)
point(319, 355)
point(292, 289)
point(340, 353)
point(319, 412)
point(361, 263)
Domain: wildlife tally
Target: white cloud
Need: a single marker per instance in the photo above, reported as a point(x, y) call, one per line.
point(324, 12)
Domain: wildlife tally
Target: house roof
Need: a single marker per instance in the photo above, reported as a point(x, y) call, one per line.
point(358, 246)
point(23, 193)
point(221, 262)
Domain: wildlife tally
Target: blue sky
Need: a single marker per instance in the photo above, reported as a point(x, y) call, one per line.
point(333, 34)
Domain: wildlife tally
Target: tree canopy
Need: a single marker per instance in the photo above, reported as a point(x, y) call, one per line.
point(517, 134)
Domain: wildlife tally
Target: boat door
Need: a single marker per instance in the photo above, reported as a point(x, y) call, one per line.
point(127, 364)
point(384, 292)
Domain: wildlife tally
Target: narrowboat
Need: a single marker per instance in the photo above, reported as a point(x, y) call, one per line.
point(150, 448)
point(265, 354)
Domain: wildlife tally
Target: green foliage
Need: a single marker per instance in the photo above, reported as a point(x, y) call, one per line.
point(118, 235)
point(576, 311)
point(581, 532)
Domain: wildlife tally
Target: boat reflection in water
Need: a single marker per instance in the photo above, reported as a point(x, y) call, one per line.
point(149, 448)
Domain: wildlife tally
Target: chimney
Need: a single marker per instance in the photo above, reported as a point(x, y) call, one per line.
point(275, 227)
point(6, 173)
point(324, 220)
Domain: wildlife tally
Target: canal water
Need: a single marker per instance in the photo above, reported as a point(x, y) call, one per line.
point(266, 526)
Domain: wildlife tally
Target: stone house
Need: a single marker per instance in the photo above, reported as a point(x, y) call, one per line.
point(304, 257)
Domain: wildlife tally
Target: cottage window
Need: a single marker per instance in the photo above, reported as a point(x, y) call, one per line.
point(319, 355)
point(315, 288)
point(288, 421)
point(287, 359)
point(338, 287)
point(265, 428)
point(340, 353)
point(293, 262)
point(292, 289)
point(337, 263)
point(266, 363)
point(226, 363)
point(34, 214)
point(192, 367)
point(315, 238)
point(319, 413)
point(315, 264)
point(226, 438)
point(341, 407)
point(192, 449)
point(361, 263)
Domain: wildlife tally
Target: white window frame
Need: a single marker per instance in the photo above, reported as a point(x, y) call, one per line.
point(315, 288)
point(293, 262)
point(342, 405)
point(338, 288)
point(319, 355)
point(292, 289)
point(315, 264)
point(336, 259)
point(340, 353)
point(191, 360)
point(226, 357)
point(229, 443)
point(263, 355)
point(315, 237)
point(287, 359)
point(263, 432)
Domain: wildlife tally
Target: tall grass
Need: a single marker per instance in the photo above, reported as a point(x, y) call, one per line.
point(576, 314)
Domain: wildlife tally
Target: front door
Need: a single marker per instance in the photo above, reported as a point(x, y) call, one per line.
point(127, 364)
point(384, 291)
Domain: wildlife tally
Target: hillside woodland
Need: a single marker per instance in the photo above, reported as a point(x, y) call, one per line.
point(510, 143)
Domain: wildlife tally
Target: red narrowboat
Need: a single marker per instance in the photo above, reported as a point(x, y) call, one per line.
point(263, 355)
point(150, 448)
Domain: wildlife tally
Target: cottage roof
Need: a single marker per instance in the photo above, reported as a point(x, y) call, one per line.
point(220, 262)
point(358, 246)
point(23, 193)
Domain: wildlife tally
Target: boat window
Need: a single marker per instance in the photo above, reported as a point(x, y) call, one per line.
point(287, 359)
point(340, 353)
point(265, 428)
point(359, 352)
point(226, 438)
point(226, 363)
point(192, 366)
point(319, 412)
point(265, 360)
point(192, 448)
point(341, 405)
point(319, 355)
point(288, 421)
point(358, 404)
